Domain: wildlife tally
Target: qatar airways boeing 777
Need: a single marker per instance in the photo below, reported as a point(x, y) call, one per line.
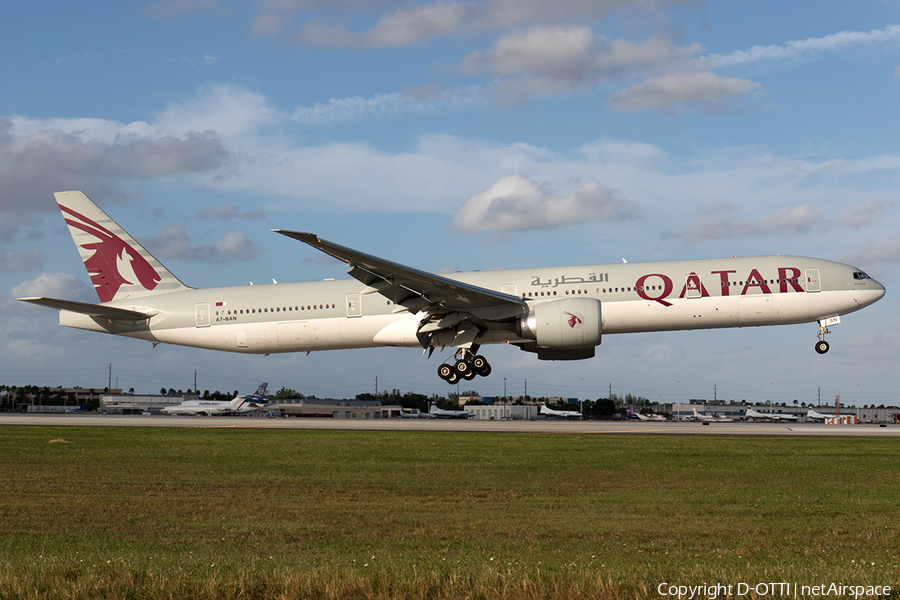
point(558, 313)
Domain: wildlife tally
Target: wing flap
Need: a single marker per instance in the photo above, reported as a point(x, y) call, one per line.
point(92, 310)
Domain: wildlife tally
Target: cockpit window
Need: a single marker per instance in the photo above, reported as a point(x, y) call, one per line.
point(860, 275)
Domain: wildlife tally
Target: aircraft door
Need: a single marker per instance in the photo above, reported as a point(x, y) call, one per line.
point(201, 315)
point(509, 288)
point(354, 305)
point(812, 280)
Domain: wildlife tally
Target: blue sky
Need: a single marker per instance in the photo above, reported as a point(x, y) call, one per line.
point(676, 129)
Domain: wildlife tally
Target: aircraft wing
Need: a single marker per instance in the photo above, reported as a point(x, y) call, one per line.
point(411, 288)
point(91, 310)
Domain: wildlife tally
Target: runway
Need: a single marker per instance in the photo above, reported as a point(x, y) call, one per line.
point(545, 426)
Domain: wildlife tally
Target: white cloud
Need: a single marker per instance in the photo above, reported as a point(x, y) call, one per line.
point(24, 260)
point(173, 241)
point(552, 60)
point(404, 27)
point(68, 156)
point(863, 214)
point(790, 219)
point(268, 24)
point(704, 90)
point(421, 99)
point(51, 285)
point(516, 203)
point(54, 285)
point(342, 110)
point(799, 48)
point(883, 250)
point(417, 24)
point(229, 110)
point(439, 173)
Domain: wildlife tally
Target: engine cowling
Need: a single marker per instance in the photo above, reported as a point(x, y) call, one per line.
point(569, 324)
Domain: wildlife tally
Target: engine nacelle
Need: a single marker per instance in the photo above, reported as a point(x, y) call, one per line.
point(569, 324)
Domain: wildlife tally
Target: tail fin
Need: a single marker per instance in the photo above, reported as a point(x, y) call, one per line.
point(118, 266)
point(260, 395)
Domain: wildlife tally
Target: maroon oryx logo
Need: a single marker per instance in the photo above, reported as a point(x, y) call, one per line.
point(573, 319)
point(113, 262)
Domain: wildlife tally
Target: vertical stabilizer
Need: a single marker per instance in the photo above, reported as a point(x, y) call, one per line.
point(119, 267)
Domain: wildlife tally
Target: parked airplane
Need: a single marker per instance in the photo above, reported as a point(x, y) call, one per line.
point(758, 416)
point(413, 413)
point(237, 405)
point(711, 418)
point(646, 417)
point(558, 313)
point(630, 414)
point(812, 415)
point(449, 414)
point(559, 414)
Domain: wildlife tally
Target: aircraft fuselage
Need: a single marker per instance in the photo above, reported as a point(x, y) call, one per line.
point(635, 297)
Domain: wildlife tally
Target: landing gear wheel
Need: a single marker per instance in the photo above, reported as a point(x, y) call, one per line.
point(462, 367)
point(469, 375)
point(822, 346)
point(481, 366)
point(453, 379)
point(445, 371)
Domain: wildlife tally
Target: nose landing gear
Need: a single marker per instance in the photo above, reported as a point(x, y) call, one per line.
point(467, 366)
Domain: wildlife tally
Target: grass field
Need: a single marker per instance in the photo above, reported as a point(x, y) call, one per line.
point(232, 513)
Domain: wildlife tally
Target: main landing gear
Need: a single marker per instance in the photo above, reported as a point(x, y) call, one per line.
point(467, 366)
point(822, 346)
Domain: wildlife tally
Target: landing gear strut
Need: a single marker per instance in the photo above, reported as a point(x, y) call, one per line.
point(467, 366)
point(822, 346)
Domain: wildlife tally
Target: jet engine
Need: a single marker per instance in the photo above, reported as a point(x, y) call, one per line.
point(563, 329)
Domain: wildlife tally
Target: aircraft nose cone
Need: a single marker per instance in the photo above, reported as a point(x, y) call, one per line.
point(873, 294)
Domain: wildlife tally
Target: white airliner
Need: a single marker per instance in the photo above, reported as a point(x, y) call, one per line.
point(812, 415)
point(758, 416)
point(559, 414)
point(440, 413)
point(711, 418)
point(413, 413)
point(558, 313)
point(206, 408)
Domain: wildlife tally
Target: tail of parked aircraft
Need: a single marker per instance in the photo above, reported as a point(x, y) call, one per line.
point(118, 266)
point(635, 416)
point(260, 396)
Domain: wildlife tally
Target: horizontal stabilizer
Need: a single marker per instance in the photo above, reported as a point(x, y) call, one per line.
point(91, 310)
